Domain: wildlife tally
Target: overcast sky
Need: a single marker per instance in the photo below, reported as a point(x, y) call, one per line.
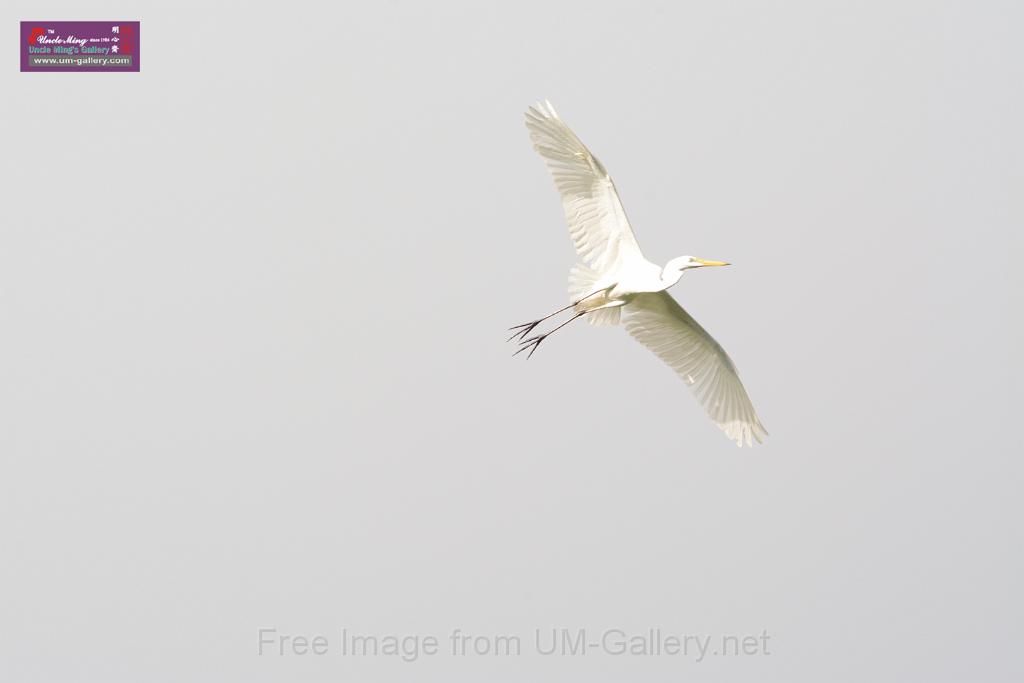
point(253, 370)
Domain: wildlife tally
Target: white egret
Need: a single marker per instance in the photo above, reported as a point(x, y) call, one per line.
point(615, 278)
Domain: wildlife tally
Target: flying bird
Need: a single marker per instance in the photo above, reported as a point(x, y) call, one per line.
point(616, 280)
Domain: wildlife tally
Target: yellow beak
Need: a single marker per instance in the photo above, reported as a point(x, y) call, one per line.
point(710, 263)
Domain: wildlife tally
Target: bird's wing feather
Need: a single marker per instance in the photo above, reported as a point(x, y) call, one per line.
point(597, 222)
point(658, 322)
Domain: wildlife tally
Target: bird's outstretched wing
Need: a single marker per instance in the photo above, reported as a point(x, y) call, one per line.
point(597, 222)
point(658, 322)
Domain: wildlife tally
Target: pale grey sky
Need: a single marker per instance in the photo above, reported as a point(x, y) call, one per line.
point(253, 304)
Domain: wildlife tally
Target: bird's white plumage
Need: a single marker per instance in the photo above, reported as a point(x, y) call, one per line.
point(657, 321)
point(582, 281)
point(597, 222)
point(615, 278)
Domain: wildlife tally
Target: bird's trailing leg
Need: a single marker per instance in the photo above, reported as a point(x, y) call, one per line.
point(532, 343)
point(526, 328)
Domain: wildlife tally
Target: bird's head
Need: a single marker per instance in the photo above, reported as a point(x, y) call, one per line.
point(681, 263)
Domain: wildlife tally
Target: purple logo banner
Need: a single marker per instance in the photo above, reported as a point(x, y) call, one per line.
point(79, 46)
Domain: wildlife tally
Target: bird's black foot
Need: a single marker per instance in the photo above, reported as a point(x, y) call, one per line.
point(522, 330)
point(530, 343)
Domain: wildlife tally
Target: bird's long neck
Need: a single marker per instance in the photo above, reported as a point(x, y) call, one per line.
point(670, 276)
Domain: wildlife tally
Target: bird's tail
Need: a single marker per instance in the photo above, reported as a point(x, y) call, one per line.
point(582, 282)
